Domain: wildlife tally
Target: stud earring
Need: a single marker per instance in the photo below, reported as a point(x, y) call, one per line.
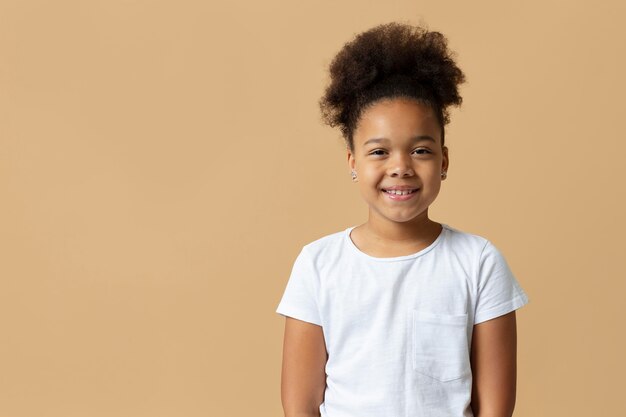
point(444, 174)
point(353, 175)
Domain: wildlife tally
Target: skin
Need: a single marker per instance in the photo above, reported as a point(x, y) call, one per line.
point(303, 378)
point(397, 228)
point(494, 369)
point(410, 154)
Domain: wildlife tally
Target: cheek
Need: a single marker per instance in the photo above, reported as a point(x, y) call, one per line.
point(369, 173)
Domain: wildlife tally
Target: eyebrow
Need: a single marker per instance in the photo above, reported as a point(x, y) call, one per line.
point(413, 139)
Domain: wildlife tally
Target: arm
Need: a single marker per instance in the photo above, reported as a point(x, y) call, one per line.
point(493, 361)
point(303, 379)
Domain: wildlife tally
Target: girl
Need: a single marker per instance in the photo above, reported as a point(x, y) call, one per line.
point(401, 316)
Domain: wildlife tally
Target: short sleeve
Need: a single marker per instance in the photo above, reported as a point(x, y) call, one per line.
point(498, 291)
point(300, 298)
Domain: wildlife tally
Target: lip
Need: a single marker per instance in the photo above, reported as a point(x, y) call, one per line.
point(400, 197)
point(400, 187)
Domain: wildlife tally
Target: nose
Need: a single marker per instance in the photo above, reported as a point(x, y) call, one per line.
point(400, 166)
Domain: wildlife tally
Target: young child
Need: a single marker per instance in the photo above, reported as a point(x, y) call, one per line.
point(400, 316)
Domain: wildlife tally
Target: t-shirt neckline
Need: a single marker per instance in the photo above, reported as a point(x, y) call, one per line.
point(348, 241)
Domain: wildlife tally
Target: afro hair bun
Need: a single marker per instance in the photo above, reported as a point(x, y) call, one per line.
point(390, 60)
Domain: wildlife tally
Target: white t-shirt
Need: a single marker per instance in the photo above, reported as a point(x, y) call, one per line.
point(398, 330)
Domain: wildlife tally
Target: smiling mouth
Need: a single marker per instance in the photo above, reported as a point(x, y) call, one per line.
point(403, 192)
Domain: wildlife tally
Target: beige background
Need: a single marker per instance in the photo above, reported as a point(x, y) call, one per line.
point(162, 163)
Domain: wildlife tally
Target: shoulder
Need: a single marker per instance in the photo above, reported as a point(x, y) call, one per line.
point(474, 249)
point(465, 242)
point(327, 251)
point(326, 244)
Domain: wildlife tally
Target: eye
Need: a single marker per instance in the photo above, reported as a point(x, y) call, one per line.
point(420, 151)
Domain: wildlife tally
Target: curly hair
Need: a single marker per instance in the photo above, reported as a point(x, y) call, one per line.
point(387, 61)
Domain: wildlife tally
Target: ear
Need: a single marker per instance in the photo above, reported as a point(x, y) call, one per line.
point(351, 160)
point(445, 160)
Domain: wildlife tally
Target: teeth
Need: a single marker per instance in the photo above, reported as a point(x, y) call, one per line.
point(398, 192)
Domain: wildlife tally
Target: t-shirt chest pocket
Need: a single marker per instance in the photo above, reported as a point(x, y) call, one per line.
point(439, 348)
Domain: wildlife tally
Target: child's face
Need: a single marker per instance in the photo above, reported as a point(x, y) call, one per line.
point(404, 157)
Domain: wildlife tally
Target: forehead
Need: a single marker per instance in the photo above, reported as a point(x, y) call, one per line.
point(396, 119)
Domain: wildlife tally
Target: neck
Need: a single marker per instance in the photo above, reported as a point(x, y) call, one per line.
point(417, 229)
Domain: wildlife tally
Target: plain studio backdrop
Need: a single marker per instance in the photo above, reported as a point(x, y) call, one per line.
point(163, 162)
